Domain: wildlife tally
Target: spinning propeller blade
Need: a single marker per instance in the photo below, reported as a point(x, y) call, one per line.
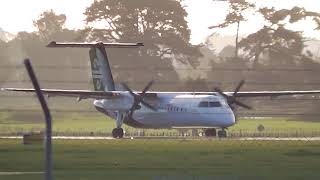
point(139, 98)
point(233, 99)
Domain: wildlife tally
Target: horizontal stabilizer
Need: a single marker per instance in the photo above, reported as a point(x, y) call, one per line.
point(93, 44)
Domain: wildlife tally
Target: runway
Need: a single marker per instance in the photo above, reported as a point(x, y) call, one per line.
point(19, 173)
point(279, 139)
point(181, 138)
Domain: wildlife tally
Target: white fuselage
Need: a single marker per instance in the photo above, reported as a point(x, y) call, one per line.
point(175, 111)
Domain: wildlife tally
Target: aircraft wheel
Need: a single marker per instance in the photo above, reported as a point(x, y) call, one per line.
point(117, 133)
point(210, 132)
point(222, 134)
point(120, 133)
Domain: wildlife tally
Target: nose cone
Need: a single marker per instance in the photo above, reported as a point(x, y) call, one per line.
point(231, 120)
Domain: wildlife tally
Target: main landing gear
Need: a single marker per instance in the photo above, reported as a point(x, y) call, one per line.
point(118, 132)
point(212, 132)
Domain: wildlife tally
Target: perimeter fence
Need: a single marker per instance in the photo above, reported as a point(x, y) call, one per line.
point(194, 133)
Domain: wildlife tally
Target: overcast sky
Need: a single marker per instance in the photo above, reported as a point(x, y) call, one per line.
point(17, 15)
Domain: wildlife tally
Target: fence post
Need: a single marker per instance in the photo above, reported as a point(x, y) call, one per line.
point(46, 111)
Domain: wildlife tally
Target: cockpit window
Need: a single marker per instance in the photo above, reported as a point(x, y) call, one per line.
point(206, 104)
point(214, 104)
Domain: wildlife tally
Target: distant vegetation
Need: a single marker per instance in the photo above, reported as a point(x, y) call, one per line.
point(273, 58)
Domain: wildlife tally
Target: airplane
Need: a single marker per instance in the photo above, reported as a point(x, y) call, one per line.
point(211, 111)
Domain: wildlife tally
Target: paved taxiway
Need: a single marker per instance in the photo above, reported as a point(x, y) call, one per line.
point(188, 138)
point(19, 173)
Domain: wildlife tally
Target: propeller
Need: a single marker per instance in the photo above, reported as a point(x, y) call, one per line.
point(139, 98)
point(233, 99)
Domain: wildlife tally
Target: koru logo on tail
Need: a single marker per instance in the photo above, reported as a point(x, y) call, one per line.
point(95, 64)
point(98, 84)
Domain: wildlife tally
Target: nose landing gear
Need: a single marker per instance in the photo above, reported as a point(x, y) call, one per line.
point(210, 132)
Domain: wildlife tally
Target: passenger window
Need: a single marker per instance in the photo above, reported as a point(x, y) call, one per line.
point(214, 104)
point(203, 104)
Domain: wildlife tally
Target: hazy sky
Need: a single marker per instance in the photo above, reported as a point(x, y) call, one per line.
point(17, 15)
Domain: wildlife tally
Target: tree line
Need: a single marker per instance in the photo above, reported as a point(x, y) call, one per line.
point(162, 27)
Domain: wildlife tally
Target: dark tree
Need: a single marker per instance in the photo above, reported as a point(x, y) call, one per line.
point(160, 25)
point(235, 16)
point(49, 24)
point(279, 40)
point(4, 62)
point(274, 38)
point(54, 66)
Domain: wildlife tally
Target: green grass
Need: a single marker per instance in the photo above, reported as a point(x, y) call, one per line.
point(12, 122)
point(62, 122)
point(276, 124)
point(156, 159)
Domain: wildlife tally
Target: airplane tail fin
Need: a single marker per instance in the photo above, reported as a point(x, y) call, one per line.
point(100, 67)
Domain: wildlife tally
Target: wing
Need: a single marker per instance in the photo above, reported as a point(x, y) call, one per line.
point(83, 94)
point(273, 93)
point(240, 94)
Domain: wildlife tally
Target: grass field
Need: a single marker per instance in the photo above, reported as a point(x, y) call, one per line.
point(13, 122)
point(165, 159)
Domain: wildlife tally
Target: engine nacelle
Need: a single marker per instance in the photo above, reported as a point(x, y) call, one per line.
point(122, 103)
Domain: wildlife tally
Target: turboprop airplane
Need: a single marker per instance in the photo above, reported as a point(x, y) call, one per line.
point(145, 109)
